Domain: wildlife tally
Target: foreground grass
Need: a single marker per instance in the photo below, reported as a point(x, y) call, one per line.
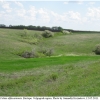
point(54, 76)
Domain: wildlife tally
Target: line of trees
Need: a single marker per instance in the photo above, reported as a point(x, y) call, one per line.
point(31, 27)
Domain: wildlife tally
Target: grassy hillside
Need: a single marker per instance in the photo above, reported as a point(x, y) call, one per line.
point(12, 43)
point(73, 70)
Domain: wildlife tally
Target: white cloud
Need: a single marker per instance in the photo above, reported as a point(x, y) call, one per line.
point(66, 2)
point(94, 13)
point(7, 7)
point(31, 13)
point(44, 15)
point(55, 15)
point(73, 18)
point(74, 15)
point(68, 17)
point(1, 1)
point(21, 12)
point(19, 4)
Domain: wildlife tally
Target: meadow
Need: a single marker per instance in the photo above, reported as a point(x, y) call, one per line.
point(72, 70)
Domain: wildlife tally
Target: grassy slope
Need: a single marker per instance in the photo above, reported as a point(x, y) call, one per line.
point(64, 75)
point(11, 43)
point(76, 44)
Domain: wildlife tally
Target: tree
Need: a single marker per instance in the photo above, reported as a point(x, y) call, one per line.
point(60, 29)
point(2, 25)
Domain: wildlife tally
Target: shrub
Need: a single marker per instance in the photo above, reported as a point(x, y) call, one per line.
point(97, 50)
point(38, 36)
point(66, 32)
point(49, 52)
point(47, 34)
point(46, 51)
point(31, 54)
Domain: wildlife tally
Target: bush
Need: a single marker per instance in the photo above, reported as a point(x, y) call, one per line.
point(46, 51)
point(40, 52)
point(66, 32)
point(31, 54)
point(47, 34)
point(49, 52)
point(97, 50)
point(38, 36)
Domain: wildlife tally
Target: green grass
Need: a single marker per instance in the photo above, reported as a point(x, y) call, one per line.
point(73, 70)
point(16, 65)
point(68, 77)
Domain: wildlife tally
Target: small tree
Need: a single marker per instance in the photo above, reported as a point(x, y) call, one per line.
point(47, 34)
point(97, 50)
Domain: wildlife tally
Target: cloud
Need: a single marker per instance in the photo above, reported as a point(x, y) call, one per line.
point(1, 1)
point(21, 12)
point(94, 13)
point(71, 15)
point(44, 15)
point(7, 7)
point(66, 2)
point(74, 15)
point(31, 13)
point(19, 4)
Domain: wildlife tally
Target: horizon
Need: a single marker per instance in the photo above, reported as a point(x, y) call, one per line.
point(76, 15)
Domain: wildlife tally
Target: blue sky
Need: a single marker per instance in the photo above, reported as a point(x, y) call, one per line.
point(78, 15)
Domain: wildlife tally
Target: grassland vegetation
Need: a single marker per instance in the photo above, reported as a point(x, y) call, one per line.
point(79, 76)
point(71, 70)
point(30, 38)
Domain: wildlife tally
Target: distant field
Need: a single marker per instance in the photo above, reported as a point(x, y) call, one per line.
point(73, 69)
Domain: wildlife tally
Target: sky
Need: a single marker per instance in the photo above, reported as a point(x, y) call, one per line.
point(77, 15)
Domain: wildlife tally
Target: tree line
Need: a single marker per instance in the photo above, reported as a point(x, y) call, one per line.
point(31, 27)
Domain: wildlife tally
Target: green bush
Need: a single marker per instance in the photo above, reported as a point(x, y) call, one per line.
point(97, 50)
point(47, 34)
point(38, 36)
point(46, 51)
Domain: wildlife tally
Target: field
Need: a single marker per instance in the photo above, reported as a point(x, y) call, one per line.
point(72, 70)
